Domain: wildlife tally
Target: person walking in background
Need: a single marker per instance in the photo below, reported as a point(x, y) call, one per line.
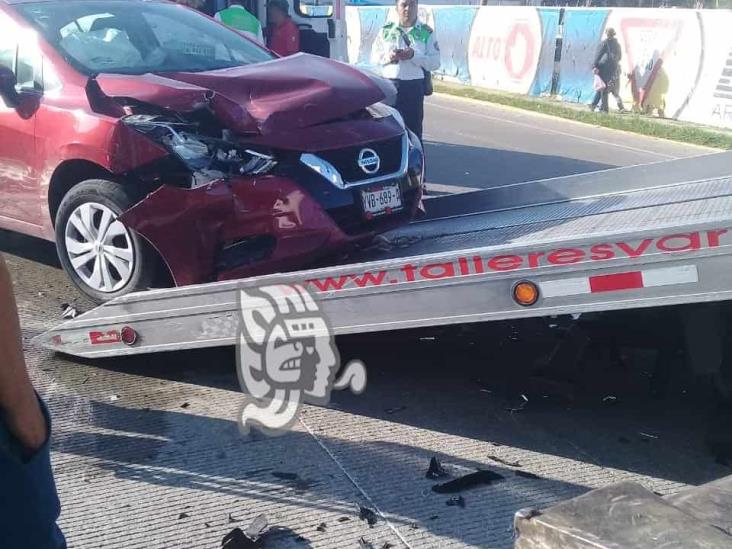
point(283, 34)
point(607, 67)
point(238, 18)
point(30, 507)
point(407, 52)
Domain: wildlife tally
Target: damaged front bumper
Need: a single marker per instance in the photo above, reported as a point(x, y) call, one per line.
point(247, 226)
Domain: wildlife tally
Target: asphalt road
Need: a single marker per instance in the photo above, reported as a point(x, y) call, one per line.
point(475, 145)
point(147, 453)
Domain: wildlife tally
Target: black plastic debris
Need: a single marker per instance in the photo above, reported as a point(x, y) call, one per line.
point(183, 516)
point(285, 476)
point(396, 409)
point(68, 312)
point(526, 474)
point(344, 519)
point(472, 480)
point(456, 501)
point(296, 482)
point(185, 405)
point(369, 515)
point(527, 513)
point(322, 527)
point(236, 539)
point(502, 461)
point(387, 545)
point(436, 470)
point(363, 544)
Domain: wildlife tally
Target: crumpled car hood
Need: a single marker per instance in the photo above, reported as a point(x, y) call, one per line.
point(291, 93)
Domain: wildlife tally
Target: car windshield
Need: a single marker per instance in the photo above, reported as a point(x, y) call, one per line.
point(131, 37)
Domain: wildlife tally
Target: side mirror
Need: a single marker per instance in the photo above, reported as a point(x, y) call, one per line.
point(7, 86)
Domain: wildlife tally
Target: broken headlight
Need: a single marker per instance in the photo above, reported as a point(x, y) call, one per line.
point(208, 158)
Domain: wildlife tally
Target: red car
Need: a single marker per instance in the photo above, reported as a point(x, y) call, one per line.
point(147, 139)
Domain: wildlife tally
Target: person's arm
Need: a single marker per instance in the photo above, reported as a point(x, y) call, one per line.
point(18, 402)
point(430, 59)
point(600, 53)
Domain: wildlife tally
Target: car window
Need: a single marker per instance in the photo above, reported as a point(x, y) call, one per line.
point(314, 8)
point(123, 37)
point(20, 53)
point(8, 42)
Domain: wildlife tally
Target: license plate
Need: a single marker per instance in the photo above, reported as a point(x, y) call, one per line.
point(382, 200)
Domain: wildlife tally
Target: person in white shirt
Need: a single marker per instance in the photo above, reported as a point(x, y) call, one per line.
point(407, 52)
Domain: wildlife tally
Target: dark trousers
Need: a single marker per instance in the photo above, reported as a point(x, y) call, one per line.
point(601, 97)
point(29, 507)
point(410, 103)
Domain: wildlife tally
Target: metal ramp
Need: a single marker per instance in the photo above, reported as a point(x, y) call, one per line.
point(633, 237)
point(628, 516)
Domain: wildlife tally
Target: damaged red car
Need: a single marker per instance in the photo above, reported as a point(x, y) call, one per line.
point(152, 143)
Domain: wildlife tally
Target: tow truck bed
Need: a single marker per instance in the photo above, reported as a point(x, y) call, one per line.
point(633, 237)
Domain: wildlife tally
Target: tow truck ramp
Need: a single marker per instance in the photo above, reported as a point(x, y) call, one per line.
point(643, 236)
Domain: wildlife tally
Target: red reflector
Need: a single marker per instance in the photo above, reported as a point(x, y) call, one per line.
point(129, 336)
point(620, 281)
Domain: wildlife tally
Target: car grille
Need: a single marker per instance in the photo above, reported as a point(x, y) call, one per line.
point(346, 160)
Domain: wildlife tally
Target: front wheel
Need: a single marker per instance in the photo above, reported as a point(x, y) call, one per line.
point(103, 257)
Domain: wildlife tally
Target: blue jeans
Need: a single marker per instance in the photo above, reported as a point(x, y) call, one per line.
point(29, 504)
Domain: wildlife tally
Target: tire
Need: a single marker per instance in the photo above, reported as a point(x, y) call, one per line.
point(121, 261)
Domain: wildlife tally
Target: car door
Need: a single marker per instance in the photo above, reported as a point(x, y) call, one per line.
point(19, 192)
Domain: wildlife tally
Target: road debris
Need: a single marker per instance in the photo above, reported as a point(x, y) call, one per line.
point(251, 539)
point(113, 398)
point(436, 470)
point(68, 312)
point(526, 474)
point(610, 398)
point(648, 435)
point(520, 407)
point(233, 519)
point(363, 544)
point(185, 405)
point(369, 515)
point(454, 501)
point(322, 527)
point(468, 481)
point(183, 516)
point(285, 476)
point(344, 519)
point(395, 409)
point(527, 513)
point(296, 482)
point(502, 461)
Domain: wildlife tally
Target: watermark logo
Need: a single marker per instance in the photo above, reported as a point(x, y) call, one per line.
point(287, 356)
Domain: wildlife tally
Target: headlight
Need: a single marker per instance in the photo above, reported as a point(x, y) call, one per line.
point(381, 110)
point(207, 157)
